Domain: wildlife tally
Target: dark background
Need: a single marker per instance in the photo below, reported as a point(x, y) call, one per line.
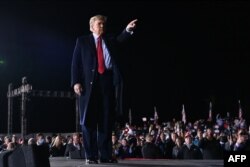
point(183, 52)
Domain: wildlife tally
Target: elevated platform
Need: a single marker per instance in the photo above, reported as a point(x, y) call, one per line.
point(64, 162)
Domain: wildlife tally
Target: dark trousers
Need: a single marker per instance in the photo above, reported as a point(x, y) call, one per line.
point(97, 132)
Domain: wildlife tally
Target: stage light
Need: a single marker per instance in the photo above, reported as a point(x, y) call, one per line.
point(2, 62)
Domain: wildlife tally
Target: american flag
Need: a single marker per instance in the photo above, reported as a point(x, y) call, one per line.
point(210, 117)
point(156, 117)
point(130, 116)
point(183, 113)
point(240, 111)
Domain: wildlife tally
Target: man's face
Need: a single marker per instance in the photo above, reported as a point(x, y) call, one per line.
point(98, 27)
point(76, 139)
point(188, 140)
point(243, 136)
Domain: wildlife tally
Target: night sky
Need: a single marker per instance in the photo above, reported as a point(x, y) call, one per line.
point(182, 52)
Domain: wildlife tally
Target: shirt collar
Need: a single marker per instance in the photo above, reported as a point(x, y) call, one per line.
point(95, 36)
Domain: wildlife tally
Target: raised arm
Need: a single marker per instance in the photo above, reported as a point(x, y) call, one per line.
point(131, 25)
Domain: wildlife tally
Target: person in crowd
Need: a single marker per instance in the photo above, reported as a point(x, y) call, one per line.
point(57, 148)
point(75, 149)
point(150, 150)
point(4, 146)
point(210, 146)
point(189, 150)
point(243, 142)
point(162, 144)
point(138, 147)
point(231, 140)
point(177, 149)
point(15, 140)
point(170, 143)
point(40, 142)
point(125, 151)
point(115, 146)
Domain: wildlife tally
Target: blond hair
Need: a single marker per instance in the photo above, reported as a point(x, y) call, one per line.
point(96, 17)
point(58, 141)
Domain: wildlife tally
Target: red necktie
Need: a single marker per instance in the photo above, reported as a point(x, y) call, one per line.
point(101, 65)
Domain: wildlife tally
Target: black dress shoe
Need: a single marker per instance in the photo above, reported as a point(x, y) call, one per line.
point(108, 161)
point(113, 161)
point(91, 161)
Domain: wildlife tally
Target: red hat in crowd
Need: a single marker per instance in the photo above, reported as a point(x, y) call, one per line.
point(188, 134)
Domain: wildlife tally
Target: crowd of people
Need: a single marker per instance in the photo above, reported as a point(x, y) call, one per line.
point(168, 140)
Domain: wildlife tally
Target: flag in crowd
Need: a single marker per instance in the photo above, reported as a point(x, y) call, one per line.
point(130, 116)
point(156, 117)
point(210, 116)
point(240, 111)
point(183, 113)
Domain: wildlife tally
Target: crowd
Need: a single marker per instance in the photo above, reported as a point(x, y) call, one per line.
point(202, 139)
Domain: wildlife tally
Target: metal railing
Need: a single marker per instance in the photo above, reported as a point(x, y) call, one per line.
point(26, 92)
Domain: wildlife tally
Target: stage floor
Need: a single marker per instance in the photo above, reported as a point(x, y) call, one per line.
point(64, 162)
